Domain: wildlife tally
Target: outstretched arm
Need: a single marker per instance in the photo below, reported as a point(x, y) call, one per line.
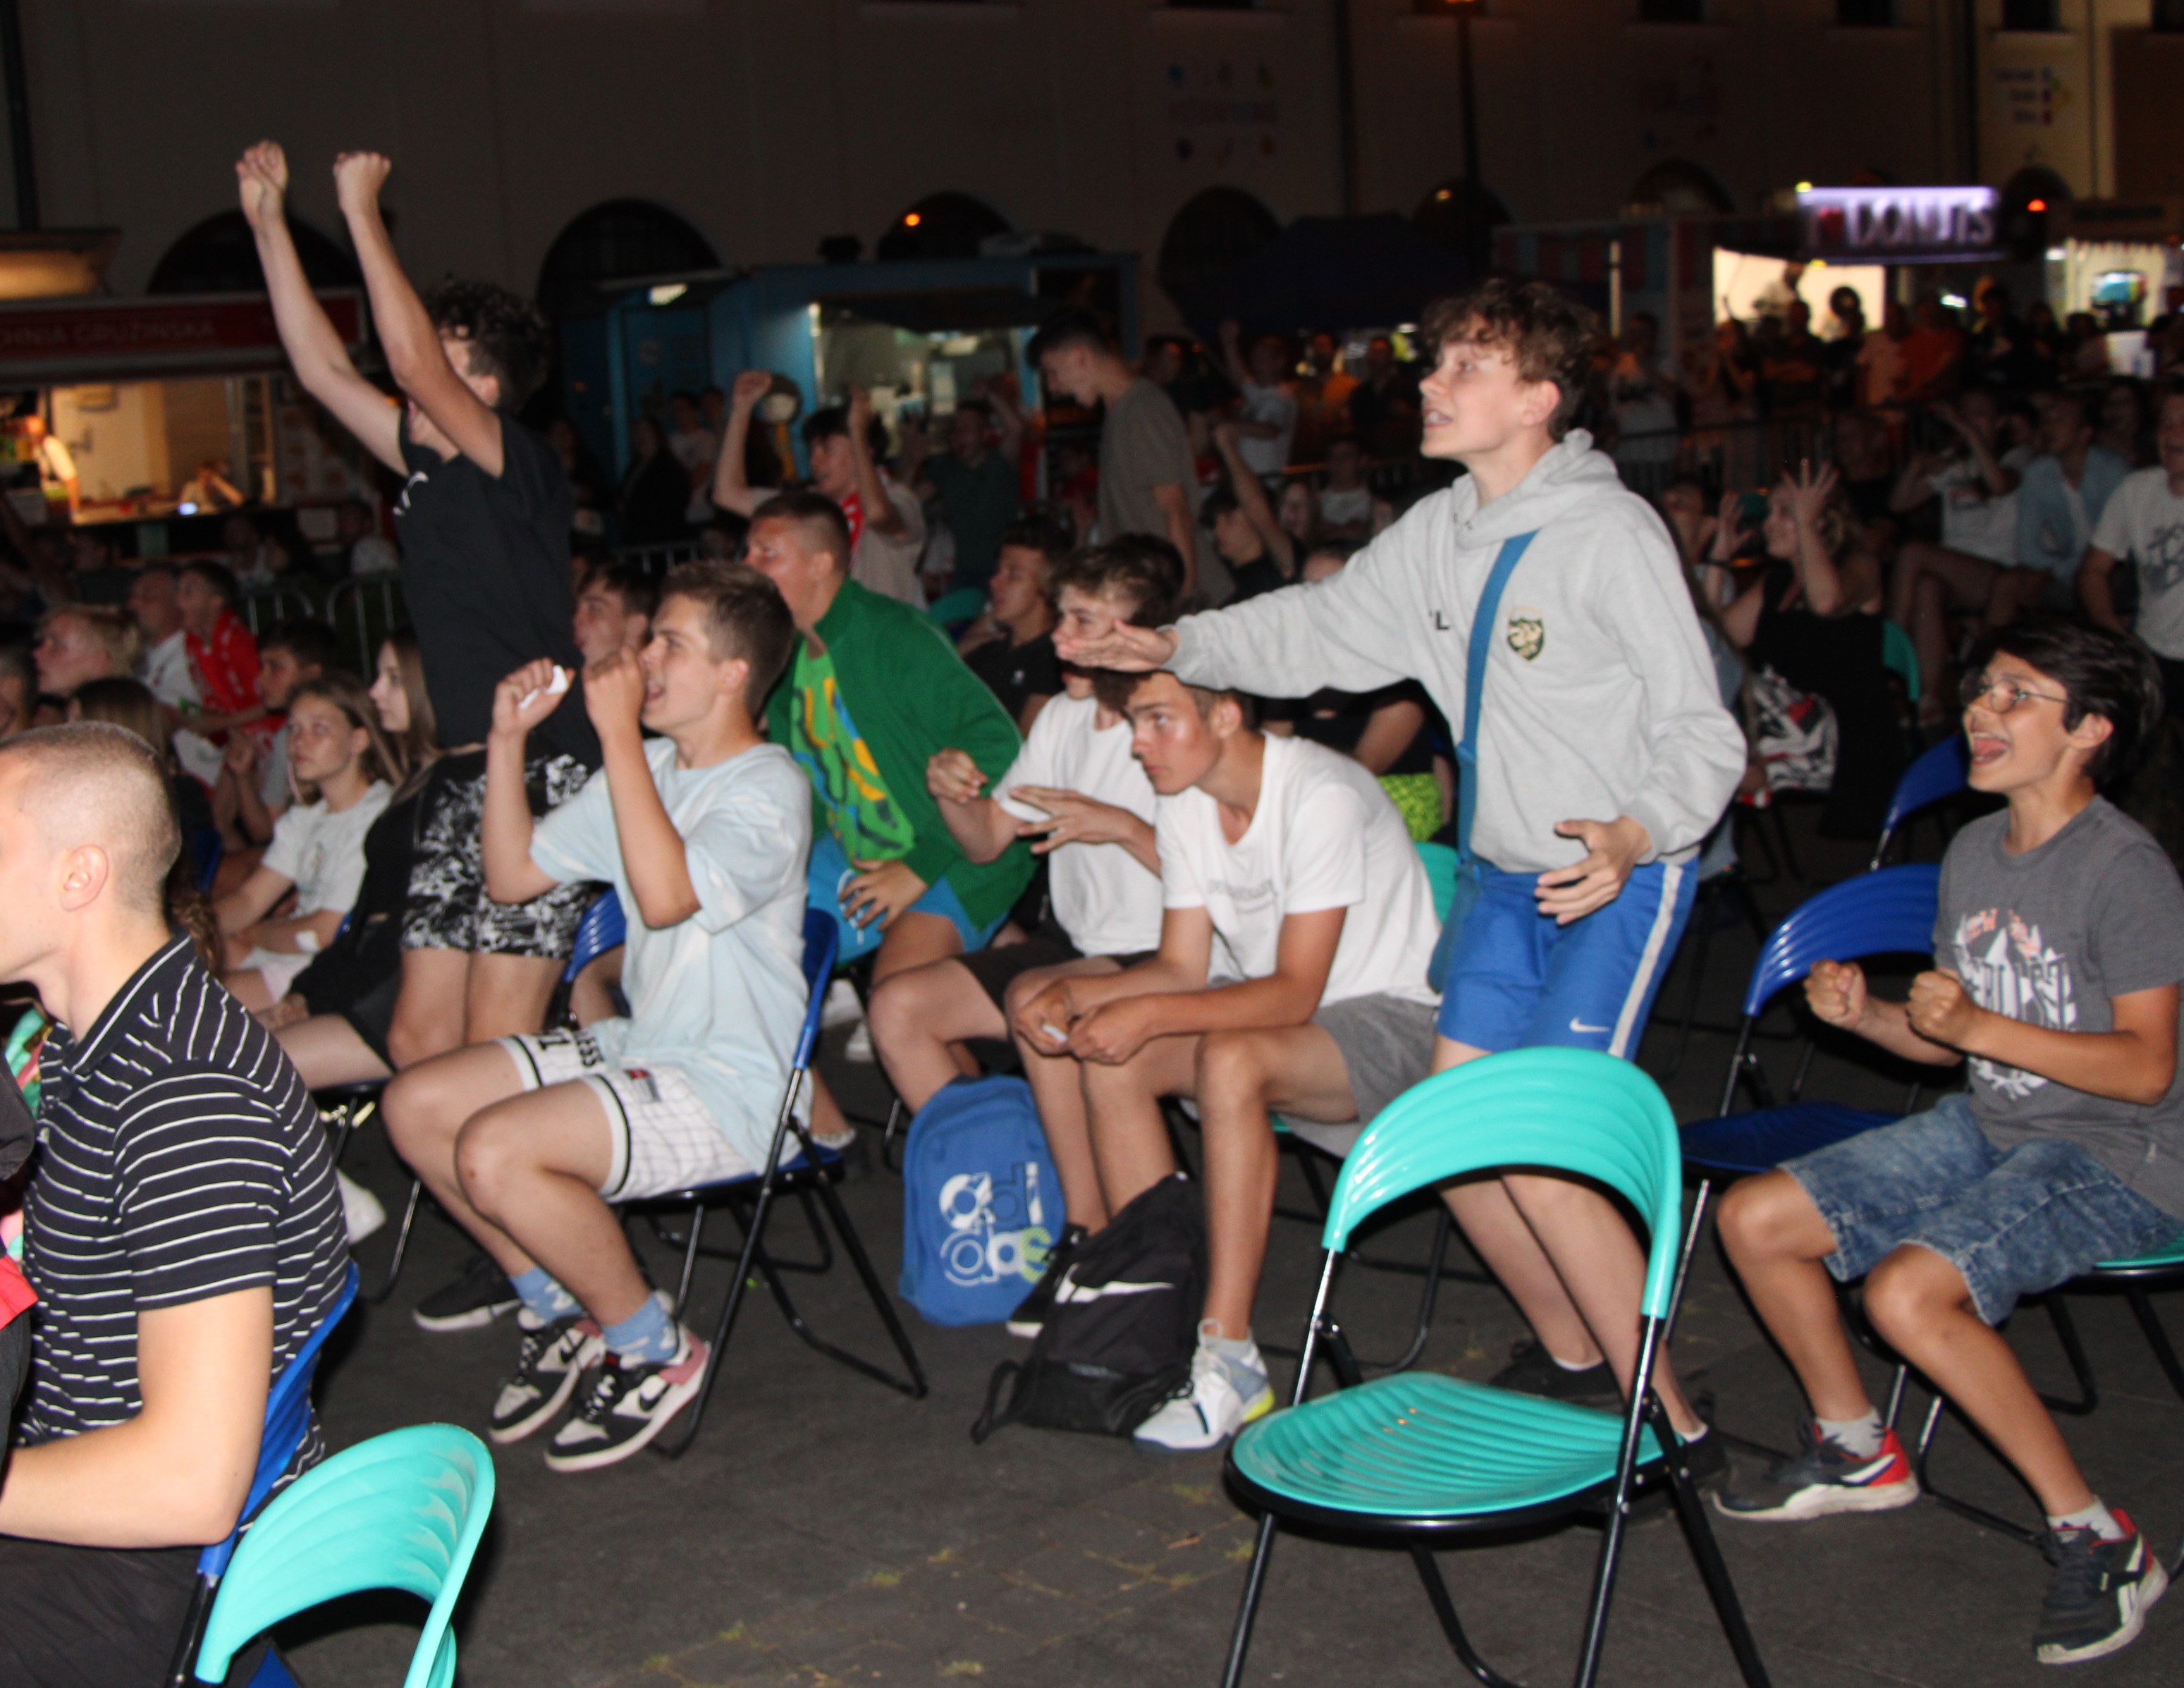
point(314, 348)
point(880, 514)
point(416, 357)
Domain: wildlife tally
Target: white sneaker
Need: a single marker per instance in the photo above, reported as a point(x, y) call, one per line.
point(841, 1007)
point(1222, 1397)
point(360, 1208)
point(859, 1048)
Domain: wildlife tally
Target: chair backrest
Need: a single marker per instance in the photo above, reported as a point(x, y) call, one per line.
point(1441, 864)
point(401, 1511)
point(822, 937)
point(207, 850)
point(287, 1417)
point(1888, 912)
point(1578, 1110)
point(601, 929)
point(1942, 770)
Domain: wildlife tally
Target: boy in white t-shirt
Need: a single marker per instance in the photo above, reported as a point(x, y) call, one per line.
point(2144, 522)
point(703, 833)
point(1291, 977)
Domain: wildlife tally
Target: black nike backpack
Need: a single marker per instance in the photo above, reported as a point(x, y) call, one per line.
point(1118, 1340)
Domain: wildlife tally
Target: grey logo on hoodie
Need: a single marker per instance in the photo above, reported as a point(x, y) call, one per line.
point(1528, 637)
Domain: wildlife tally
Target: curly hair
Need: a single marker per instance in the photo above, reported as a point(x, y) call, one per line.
point(1548, 334)
point(507, 336)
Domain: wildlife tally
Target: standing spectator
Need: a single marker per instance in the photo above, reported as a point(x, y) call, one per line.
point(976, 487)
point(1347, 507)
point(1011, 646)
point(1322, 396)
point(2143, 525)
point(2059, 502)
point(1933, 352)
point(2085, 348)
point(364, 550)
point(1794, 368)
point(695, 447)
point(2000, 353)
point(2122, 427)
point(653, 492)
point(1843, 340)
point(1148, 482)
point(1644, 388)
point(590, 494)
point(1265, 425)
point(1883, 377)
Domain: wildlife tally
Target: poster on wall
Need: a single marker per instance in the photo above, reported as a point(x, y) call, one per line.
point(2035, 111)
point(1221, 110)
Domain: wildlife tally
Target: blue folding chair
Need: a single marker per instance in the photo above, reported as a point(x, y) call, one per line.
point(287, 1417)
point(402, 1511)
point(602, 929)
point(1939, 773)
point(1420, 1459)
point(206, 848)
point(802, 1169)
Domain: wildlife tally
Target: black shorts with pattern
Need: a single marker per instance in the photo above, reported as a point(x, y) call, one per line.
point(448, 907)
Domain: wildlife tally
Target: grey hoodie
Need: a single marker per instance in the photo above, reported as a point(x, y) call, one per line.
point(1600, 695)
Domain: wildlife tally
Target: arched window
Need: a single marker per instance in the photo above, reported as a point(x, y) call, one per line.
point(941, 225)
point(1680, 187)
point(1451, 216)
point(219, 255)
point(1215, 230)
point(618, 238)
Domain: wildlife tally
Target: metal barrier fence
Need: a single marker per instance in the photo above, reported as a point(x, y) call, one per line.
point(364, 610)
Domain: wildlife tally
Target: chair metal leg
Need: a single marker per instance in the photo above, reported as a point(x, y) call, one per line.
point(1921, 1462)
point(690, 1257)
point(1247, 1609)
point(855, 1248)
point(2157, 1338)
point(675, 1448)
point(1445, 1609)
point(1707, 1551)
point(401, 1245)
point(2081, 1369)
point(1427, 1296)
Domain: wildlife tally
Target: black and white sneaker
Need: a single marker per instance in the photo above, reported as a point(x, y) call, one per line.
point(1532, 1370)
point(2099, 1595)
point(474, 1301)
point(552, 1358)
point(1029, 1317)
point(627, 1407)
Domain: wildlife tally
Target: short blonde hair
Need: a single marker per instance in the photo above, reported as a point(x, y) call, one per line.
point(113, 629)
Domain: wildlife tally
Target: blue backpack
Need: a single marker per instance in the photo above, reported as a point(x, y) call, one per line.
point(981, 1202)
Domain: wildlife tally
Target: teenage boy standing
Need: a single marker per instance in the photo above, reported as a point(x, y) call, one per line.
point(2059, 949)
point(1603, 757)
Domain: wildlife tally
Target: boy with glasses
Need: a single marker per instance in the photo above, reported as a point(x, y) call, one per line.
point(2059, 950)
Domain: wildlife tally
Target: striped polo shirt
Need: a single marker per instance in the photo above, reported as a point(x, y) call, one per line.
point(179, 1158)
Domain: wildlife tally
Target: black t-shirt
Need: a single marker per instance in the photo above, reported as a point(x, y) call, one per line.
point(1338, 720)
point(485, 573)
point(1015, 673)
point(180, 1159)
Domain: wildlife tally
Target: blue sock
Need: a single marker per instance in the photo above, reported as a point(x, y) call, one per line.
point(542, 1298)
point(647, 1336)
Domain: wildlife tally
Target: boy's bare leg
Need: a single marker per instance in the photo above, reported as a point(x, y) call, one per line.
point(326, 1051)
point(1242, 1078)
point(912, 940)
point(1058, 1086)
point(1130, 1144)
point(507, 995)
point(1777, 1240)
point(916, 1014)
point(590, 992)
point(432, 1009)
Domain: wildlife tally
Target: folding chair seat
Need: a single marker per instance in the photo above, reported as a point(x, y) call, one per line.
point(1420, 1460)
point(287, 1417)
point(796, 1166)
point(402, 1511)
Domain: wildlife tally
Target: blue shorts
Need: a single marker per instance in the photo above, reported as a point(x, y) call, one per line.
point(1516, 980)
point(829, 876)
point(2012, 1221)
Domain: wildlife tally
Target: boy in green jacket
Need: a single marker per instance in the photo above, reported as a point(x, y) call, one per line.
point(874, 692)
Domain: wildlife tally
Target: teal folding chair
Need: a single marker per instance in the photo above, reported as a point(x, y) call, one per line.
point(403, 1510)
point(1420, 1459)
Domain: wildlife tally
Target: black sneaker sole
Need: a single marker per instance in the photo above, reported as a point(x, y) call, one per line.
point(470, 1319)
point(536, 1419)
point(2151, 1587)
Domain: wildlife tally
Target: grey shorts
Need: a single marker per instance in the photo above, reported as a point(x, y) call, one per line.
point(448, 907)
point(1387, 1044)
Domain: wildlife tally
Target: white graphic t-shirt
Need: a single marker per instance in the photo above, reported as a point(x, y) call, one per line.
point(2143, 524)
point(2051, 937)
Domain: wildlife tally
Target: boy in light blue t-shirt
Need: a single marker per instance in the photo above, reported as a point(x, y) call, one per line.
point(703, 833)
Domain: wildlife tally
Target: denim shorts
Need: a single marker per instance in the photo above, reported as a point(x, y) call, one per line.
point(2012, 1221)
point(829, 875)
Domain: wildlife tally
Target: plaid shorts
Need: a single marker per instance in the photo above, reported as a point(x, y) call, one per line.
point(448, 907)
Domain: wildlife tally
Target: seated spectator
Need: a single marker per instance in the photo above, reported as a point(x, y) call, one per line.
point(1292, 860)
point(344, 772)
point(1323, 393)
point(334, 1021)
point(223, 652)
point(2085, 348)
point(695, 446)
point(1813, 617)
point(182, 1229)
point(364, 550)
point(1347, 507)
point(1793, 368)
point(1297, 510)
point(2143, 525)
point(209, 490)
point(1977, 487)
point(2123, 422)
point(130, 704)
point(654, 491)
point(254, 558)
point(977, 486)
point(2059, 950)
point(702, 833)
point(1266, 423)
point(1077, 795)
point(873, 693)
point(84, 642)
point(614, 610)
point(254, 790)
point(1388, 732)
point(2000, 354)
point(1010, 647)
point(1383, 405)
point(1883, 377)
point(165, 665)
point(2059, 501)
point(1253, 545)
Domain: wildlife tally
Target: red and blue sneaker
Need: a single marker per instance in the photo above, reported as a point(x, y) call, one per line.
point(2098, 1598)
point(1824, 1478)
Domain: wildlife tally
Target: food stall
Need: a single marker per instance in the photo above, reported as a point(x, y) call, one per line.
point(2119, 260)
point(919, 334)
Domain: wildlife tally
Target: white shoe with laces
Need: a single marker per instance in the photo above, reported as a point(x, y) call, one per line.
point(1223, 1396)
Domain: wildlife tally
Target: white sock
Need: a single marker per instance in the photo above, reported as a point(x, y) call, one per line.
point(1862, 1436)
point(2096, 1518)
point(1239, 1355)
point(1588, 1366)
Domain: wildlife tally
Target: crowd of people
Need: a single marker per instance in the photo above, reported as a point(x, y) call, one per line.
point(1146, 824)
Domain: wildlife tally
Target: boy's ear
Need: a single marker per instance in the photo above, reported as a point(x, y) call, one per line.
point(1226, 717)
point(734, 676)
point(2091, 733)
point(1541, 401)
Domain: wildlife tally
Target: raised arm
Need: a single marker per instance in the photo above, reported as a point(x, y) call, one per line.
point(1252, 497)
point(999, 393)
point(653, 852)
point(880, 514)
point(415, 355)
point(732, 486)
point(314, 348)
point(520, 703)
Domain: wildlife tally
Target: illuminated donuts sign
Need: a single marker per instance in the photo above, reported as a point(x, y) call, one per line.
point(1898, 224)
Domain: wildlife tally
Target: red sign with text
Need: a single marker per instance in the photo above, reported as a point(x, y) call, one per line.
point(84, 340)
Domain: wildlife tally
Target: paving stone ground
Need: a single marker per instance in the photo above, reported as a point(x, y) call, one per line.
point(824, 1530)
